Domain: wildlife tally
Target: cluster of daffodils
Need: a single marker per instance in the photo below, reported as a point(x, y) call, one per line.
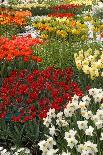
point(31, 5)
point(78, 129)
point(15, 151)
point(67, 28)
point(91, 62)
point(86, 2)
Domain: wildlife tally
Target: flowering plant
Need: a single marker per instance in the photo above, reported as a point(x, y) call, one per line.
point(81, 2)
point(16, 47)
point(62, 28)
point(71, 8)
point(35, 8)
point(17, 53)
point(61, 15)
point(9, 16)
point(13, 22)
point(15, 151)
point(90, 62)
point(65, 6)
point(78, 129)
point(28, 95)
point(31, 5)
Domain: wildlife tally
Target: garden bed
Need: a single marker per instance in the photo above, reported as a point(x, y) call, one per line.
point(51, 79)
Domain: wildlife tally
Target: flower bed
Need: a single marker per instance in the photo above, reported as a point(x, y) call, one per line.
point(69, 29)
point(76, 129)
point(12, 22)
point(51, 87)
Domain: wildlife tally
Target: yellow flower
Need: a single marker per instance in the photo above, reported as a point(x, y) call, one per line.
point(87, 18)
point(91, 62)
point(84, 37)
point(44, 36)
point(96, 29)
point(86, 69)
point(75, 31)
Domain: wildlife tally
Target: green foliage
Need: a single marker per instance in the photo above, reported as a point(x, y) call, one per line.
point(13, 2)
point(9, 30)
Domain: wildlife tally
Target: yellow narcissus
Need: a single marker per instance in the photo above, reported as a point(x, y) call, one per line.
point(91, 62)
point(88, 18)
point(75, 31)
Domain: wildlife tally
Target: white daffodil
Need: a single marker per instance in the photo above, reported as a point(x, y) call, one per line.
point(89, 131)
point(99, 124)
point(52, 152)
point(82, 124)
point(59, 115)
point(47, 121)
point(71, 142)
point(52, 131)
point(87, 148)
point(51, 113)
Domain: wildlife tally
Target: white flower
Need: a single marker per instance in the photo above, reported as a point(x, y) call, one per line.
point(59, 115)
point(95, 91)
point(68, 113)
point(52, 131)
point(51, 113)
point(82, 124)
point(86, 114)
point(95, 118)
point(21, 149)
point(50, 142)
point(75, 98)
point(98, 97)
point(58, 122)
point(16, 153)
point(80, 148)
point(51, 152)
point(70, 134)
point(3, 152)
point(99, 124)
point(66, 153)
point(86, 99)
point(71, 142)
point(63, 122)
point(47, 121)
point(45, 146)
point(101, 136)
point(90, 147)
point(99, 114)
point(87, 148)
point(89, 131)
point(1, 148)
point(82, 105)
point(42, 145)
point(70, 108)
point(70, 138)
point(27, 151)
